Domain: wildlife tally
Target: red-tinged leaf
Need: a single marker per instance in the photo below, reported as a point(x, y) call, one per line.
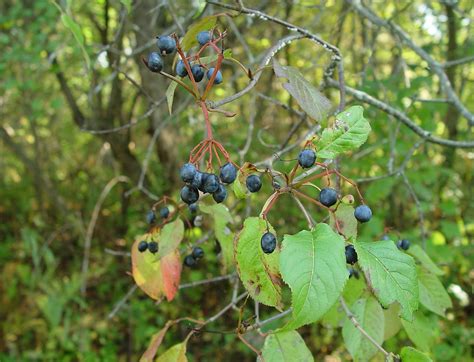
point(155, 343)
point(171, 273)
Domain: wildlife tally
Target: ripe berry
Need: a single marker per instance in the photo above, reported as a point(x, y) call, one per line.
point(166, 44)
point(211, 183)
point(353, 273)
point(153, 247)
point(204, 37)
point(187, 172)
point(218, 78)
point(181, 69)
point(328, 196)
point(142, 246)
point(189, 261)
point(351, 255)
point(193, 208)
point(189, 194)
point(197, 181)
point(254, 183)
point(197, 253)
point(220, 195)
point(307, 158)
point(150, 217)
point(363, 213)
point(403, 244)
point(198, 72)
point(228, 173)
point(268, 243)
point(164, 212)
point(155, 63)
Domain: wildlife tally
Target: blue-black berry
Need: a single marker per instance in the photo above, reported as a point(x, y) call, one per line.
point(197, 253)
point(328, 196)
point(197, 181)
point(204, 37)
point(155, 63)
point(166, 44)
point(307, 158)
point(189, 261)
point(150, 217)
point(268, 243)
point(164, 212)
point(363, 213)
point(193, 208)
point(403, 244)
point(211, 183)
point(187, 172)
point(351, 254)
point(218, 78)
point(228, 173)
point(181, 69)
point(153, 247)
point(142, 246)
point(220, 195)
point(198, 72)
point(254, 183)
point(189, 194)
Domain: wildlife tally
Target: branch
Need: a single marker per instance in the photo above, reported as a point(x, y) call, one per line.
point(401, 116)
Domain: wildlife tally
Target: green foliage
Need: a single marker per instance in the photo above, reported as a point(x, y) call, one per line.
point(286, 346)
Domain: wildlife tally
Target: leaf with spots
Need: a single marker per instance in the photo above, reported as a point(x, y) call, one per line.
point(346, 219)
point(349, 132)
point(257, 270)
point(285, 347)
point(390, 273)
point(313, 264)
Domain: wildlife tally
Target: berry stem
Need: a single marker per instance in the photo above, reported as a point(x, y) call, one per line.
point(180, 82)
point(206, 118)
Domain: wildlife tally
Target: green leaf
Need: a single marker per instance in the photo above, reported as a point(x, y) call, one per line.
point(239, 188)
point(313, 264)
point(419, 254)
point(286, 347)
point(177, 353)
point(346, 219)
point(432, 293)
point(390, 273)
point(205, 23)
point(392, 321)
point(422, 331)
point(170, 95)
point(76, 31)
point(308, 96)
point(349, 132)
point(221, 215)
point(369, 314)
point(169, 237)
point(410, 354)
point(127, 4)
point(154, 344)
point(257, 270)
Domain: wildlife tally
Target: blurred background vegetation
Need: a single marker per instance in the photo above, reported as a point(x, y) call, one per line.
point(57, 98)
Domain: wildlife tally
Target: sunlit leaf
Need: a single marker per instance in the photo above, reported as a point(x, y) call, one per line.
point(285, 347)
point(170, 95)
point(205, 23)
point(177, 353)
point(411, 354)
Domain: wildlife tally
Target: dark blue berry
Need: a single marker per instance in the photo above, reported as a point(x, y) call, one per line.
point(142, 246)
point(211, 183)
point(197, 253)
point(153, 247)
point(268, 243)
point(189, 194)
point(198, 72)
point(166, 44)
point(181, 69)
point(164, 212)
point(363, 213)
point(403, 244)
point(218, 78)
point(328, 196)
point(193, 208)
point(187, 172)
point(155, 63)
point(220, 195)
point(204, 37)
point(351, 255)
point(197, 181)
point(150, 217)
point(254, 183)
point(228, 173)
point(189, 261)
point(307, 158)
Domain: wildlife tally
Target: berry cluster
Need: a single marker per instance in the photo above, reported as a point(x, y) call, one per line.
point(151, 246)
point(192, 259)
